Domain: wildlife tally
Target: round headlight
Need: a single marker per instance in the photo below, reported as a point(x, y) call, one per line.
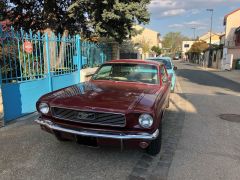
point(43, 108)
point(145, 120)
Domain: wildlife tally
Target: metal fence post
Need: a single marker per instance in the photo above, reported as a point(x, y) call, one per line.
point(102, 57)
point(48, 63)
point(79, 56)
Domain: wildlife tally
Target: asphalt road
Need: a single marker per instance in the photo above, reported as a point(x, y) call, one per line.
point(197, 144)
point(209, 146)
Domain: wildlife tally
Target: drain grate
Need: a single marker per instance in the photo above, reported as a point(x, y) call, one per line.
point(230, 117)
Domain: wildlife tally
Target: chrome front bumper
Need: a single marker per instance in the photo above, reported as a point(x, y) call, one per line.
point(89, 133)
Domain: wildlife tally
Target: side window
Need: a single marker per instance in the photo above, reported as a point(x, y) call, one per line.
point(164, 77)
point(104, 72)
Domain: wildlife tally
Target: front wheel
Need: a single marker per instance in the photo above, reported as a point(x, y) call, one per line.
point(155, 146)
point(168, 103)
point(173, 89)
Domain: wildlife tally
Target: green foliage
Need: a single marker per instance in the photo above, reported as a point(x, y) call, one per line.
point(13, 59)
point(198, 47)
point(104, 18)
point(3, 8)
point(7, 51)
point(173, 41)
point(144, 45)
point(157, 50)
point(30, 65)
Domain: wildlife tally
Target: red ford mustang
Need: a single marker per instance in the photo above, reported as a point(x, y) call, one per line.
point(123, 104)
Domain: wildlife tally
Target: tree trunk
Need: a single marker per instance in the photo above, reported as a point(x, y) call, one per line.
point(50, 23)
point(51, 50)
point(62, 50)
point(57, 50)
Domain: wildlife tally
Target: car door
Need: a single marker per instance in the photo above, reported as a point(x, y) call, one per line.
point(166, 84)
point(164, 91)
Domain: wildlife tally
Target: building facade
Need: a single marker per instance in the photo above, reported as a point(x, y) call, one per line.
point(186, 46)
point(215, 38)
point(145, 40)
point(231, 52)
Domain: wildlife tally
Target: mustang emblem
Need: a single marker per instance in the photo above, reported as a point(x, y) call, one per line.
point(86, 115)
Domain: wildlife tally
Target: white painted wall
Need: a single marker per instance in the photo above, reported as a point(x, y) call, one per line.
point(232, 22)
point(85, 72)
point(186, 49)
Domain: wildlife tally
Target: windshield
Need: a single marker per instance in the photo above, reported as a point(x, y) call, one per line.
point(167, 63)
point(128, 72)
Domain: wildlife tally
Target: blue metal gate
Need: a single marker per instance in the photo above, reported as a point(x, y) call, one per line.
point(54, 62)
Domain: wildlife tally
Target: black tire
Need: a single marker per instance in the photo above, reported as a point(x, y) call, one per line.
point(155, 146)
point(168, 103)
point(59, 137)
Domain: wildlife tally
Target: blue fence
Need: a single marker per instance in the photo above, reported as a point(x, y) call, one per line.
point(94, 54)
point(34, 64)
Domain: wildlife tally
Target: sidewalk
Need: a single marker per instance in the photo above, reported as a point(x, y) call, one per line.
point(233, 75)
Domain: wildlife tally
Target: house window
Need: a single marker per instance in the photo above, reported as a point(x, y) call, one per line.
point(237, 41)
point(186, 45)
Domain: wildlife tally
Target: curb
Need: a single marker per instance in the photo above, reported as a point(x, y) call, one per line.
point(20, 121)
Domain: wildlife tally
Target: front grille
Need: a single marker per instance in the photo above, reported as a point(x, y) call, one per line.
point(89, 117)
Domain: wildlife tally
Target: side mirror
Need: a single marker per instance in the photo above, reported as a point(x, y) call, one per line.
point(175, 68)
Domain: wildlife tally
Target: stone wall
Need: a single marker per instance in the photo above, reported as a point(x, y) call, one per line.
point(217, 59)
point(236, 55)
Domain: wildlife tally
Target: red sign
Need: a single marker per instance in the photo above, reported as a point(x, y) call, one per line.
point(28, 47)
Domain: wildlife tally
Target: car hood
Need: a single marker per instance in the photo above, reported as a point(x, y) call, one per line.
point(103, 96)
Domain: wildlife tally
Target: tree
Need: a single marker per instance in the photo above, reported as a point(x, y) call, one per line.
point(144, 45)
point(103, 18)
point(128, 47)
point(198, 47)
point(3, 8)
point(157, 50)
point(95, 18)
point(173, 41)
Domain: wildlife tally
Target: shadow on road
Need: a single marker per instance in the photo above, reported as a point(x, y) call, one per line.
point(208, 79)
point(189, 64)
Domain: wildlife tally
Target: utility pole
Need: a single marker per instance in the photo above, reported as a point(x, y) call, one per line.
point(210, 42)
point(194, 33)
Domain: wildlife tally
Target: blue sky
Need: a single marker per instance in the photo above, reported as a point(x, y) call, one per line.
point(183, 15)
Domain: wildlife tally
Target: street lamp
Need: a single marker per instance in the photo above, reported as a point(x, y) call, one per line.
point(210, 43)
point(194, 32)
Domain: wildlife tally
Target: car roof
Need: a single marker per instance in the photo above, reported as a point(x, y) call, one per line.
point(155, 58)
point(138, 61)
